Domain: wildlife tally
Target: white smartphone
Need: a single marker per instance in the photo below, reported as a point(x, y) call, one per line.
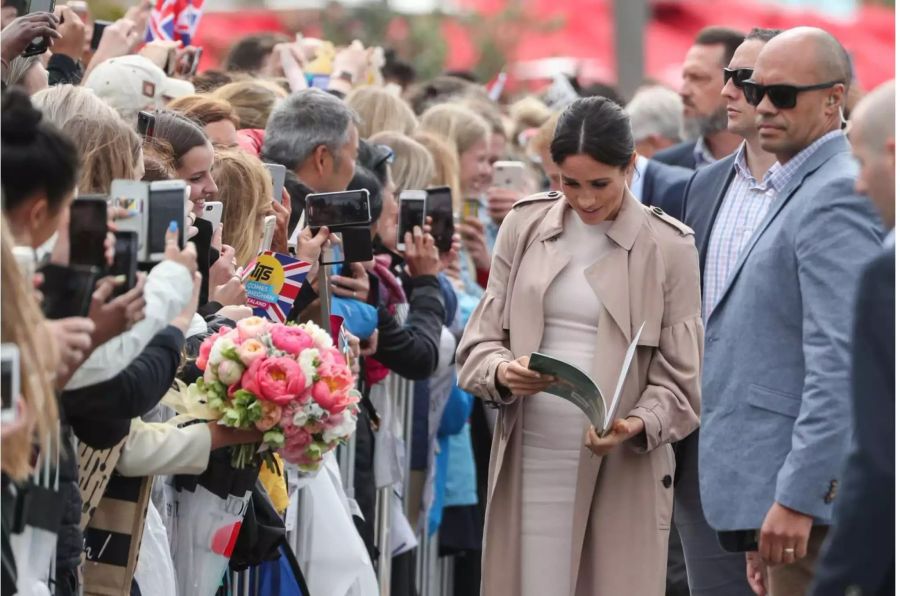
point(212, 212)
point(412, 214)
point(167, 203)
point(10, 388)
point(509, 174)
point(268, 233)
point(278, 172)
point(132, 196)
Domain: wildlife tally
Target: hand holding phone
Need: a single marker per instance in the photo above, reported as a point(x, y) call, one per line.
point(422, 256)
point(412, 215)
point(212, 212)
point(439, 207)
point(43, 29)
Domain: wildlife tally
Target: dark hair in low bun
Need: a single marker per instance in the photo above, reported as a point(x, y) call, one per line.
point(35, 156)
point(595, 126)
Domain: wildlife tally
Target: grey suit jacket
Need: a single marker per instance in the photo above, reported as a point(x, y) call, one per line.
point(775, 423)
point(681, 155)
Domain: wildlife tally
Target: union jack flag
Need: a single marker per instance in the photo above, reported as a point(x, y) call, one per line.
point(175, 20)
point(261, 281)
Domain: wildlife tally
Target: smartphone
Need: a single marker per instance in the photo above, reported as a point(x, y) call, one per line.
point(97, 35)
point(739, 541)
point(10, 375)
point(268, 233)
point(87, 231)
point(146, 124)
point(212, 212)
point(338, 209)
point(132, 196)
point(277, 171)
point(439, 206)
point(67, 290)
point(171, 65)
point(471, 208)
point(26, 261)
point(38, 45)
point(166, 204)
point(195, 61)
point(509, 174)
point(125, 262)
point(412, 214)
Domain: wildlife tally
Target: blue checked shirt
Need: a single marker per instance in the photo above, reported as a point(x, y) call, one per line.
point(743, 209)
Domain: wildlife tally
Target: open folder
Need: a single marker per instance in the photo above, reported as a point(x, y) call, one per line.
point(576, 386)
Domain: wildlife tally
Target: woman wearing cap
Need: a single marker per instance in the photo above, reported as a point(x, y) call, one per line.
point(577, 276)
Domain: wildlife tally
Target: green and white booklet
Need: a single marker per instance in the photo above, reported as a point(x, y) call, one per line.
point(576, 386)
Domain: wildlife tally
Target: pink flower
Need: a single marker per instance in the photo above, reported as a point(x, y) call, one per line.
point(209, 375)
point(230, 372)
point(279, 380)
point(251, 350)
point(331, 397)
point(252, 327)
point(205, 349)
point(271, 415)
point(292, 340)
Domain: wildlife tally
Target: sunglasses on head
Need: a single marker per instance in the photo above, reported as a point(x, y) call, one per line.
point(783, 97)
point(738, 75)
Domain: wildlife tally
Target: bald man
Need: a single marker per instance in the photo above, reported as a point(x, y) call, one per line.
point(858, 557)
point(776, 384)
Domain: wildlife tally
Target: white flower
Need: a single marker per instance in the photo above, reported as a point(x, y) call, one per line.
point(316, 411)
point(300, 417)
point(344, 429)
point(307, 360)
point(320, 337)
point(215, 355)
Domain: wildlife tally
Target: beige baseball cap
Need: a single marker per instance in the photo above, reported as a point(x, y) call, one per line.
point(133, 83)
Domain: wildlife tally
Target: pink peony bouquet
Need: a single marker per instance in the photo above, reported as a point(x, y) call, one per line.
point(287, 381)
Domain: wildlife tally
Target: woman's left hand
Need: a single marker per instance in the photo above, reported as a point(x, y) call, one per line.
point(621, 431)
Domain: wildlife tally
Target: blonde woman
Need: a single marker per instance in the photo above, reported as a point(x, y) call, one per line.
point(22, 324)
point(253, 100)
point(413, 166)
point(380, 110)
point(446, 164)
point(245, 190)
point(109, 148)
point(217, 117)
point(469, 135)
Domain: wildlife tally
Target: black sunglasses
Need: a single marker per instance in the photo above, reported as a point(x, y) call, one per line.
point(783, 97)
point(738, 75)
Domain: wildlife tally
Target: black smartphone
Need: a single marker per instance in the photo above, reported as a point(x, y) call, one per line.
point(67, 290)
point(146, 124)
point(99, 26)
point(126, 261)
point(166, 204)
point(412, 214)
point(39, 45)
point(439, 206)
point(195, 61)
point(338, 209)
point(354, 246)
point(739, 541)
point(87, 231)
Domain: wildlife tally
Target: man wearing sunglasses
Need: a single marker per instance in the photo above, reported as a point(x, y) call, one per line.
point(776, 384)
point(704, 122)
point(724, 204)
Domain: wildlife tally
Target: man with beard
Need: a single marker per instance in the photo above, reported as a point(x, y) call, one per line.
point(705, 124)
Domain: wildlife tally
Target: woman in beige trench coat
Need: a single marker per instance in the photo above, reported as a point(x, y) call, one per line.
point(626, 265)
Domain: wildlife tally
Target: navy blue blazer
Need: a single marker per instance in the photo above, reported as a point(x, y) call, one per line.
point(664, 187)
point(702, 198)
point(859, 551)
point(681, 154)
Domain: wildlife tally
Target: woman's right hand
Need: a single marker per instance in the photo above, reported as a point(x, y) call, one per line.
point(520, 380)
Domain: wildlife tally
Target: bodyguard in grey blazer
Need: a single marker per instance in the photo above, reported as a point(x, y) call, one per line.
point(775, 423)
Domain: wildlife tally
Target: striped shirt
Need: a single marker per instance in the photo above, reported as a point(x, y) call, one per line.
point(743, 209)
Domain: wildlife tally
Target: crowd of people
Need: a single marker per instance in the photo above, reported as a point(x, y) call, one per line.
point(735, 236)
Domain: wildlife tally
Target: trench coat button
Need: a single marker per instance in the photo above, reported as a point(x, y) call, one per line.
point(658, 211)
point(553, 194)
point(832, 492)
point(667, 481)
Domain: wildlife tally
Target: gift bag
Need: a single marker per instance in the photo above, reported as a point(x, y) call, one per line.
point(203, 518)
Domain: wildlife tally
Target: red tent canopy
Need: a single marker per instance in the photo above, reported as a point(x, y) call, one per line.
point(587, 33)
